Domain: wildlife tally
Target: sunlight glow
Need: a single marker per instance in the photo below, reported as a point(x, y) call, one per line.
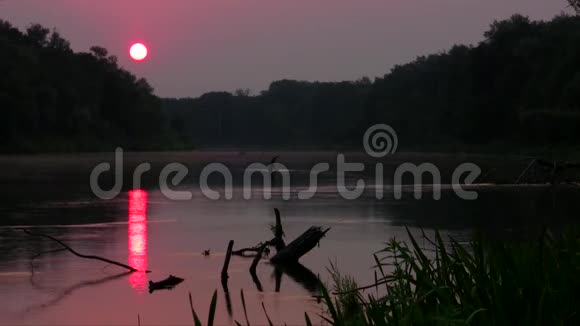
point(137, 238)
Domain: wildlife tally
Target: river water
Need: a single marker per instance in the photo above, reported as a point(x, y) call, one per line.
point(50, 194)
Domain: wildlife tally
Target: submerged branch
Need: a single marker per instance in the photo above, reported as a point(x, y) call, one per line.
point(65, 246)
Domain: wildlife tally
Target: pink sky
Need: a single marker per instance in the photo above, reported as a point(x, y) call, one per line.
point(198, 46)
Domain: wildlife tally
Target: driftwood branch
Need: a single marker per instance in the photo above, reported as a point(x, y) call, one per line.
point(65, 246)
point(256, 261)
point(284, 253)
point(550, 171)
point(244, 251)
point(227, 261)
point(257, 282)
point(277, 242)
point(225, 276)
point(278, 232)
point(287, 256)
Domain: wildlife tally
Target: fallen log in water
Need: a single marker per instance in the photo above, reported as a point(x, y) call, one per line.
point(300, 246)
point(65, 246)
point(287, 256)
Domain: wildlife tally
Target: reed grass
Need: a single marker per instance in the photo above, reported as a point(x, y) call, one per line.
point(481, 283)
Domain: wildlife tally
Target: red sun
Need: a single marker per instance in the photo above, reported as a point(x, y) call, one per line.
point(138, 52)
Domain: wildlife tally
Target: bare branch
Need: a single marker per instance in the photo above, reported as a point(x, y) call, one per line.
point(65, 246)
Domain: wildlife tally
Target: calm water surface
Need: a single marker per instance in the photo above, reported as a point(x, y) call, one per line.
point(50, 194)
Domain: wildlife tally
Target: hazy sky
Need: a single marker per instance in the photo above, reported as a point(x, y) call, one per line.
point(207, 45)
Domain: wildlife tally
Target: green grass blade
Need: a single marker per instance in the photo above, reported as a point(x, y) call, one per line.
point(308, 322)
point(332, 309)
point(266, 313)
point(468, 321)
point(244, 306)
point(212, 307)
point(195, 317)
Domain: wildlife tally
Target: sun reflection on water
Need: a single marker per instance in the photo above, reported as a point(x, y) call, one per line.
point(137, 237)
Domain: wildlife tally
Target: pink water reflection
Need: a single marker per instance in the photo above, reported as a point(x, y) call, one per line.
point(137, 237)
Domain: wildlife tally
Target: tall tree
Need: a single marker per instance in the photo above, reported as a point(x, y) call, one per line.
point(575, 4)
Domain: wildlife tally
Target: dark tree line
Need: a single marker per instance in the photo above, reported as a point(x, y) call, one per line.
point(289, 113)
point(53, 99)
point(575, 4)
point(520, 86)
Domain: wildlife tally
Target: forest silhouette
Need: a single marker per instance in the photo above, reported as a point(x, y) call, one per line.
point(517, 88)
